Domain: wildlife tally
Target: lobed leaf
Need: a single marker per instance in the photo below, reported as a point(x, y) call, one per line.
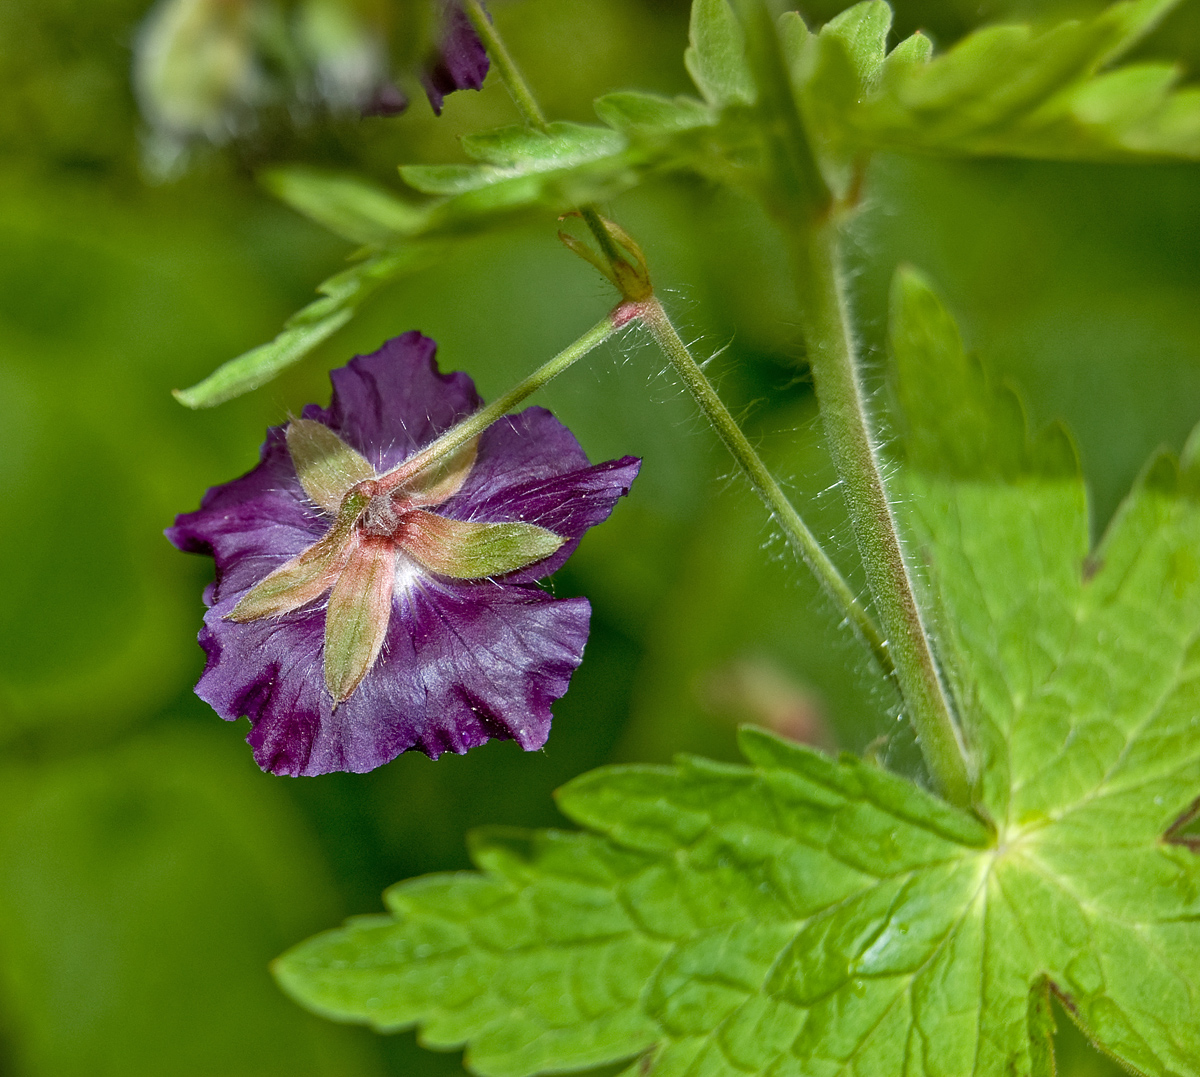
point(804, 915)
point(1001, 91)
point(716, 55)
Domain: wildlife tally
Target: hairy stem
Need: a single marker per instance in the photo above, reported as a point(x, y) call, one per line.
point(803, 203)
point(654, 318)
point(831, 355)
point(475, 424)
point(510, 74)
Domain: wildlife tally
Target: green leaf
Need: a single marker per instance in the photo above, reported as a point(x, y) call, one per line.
point(804, 915)
point(716, 55)
point(348, 206)
point(1001, 91)
point(862, 32)
point(517, 151)
point(643, 114)
point(304, 330)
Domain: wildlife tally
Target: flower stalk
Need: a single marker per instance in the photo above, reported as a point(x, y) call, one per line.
point(474, 425)
point(510, 74)
point(651, 314)
point(809, 215)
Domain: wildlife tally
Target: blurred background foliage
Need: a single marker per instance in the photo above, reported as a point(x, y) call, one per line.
point(149, 871)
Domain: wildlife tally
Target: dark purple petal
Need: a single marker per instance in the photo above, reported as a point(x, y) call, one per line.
point(394, 401)
point(461, 664)
point(254, 524)
point(531, 468)
point(461, 61)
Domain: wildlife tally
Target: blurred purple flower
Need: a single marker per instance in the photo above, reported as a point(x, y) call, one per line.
point(354, 616)
point(460, 63)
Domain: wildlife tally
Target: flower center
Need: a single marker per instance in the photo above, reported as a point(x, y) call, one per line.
point(383, 515)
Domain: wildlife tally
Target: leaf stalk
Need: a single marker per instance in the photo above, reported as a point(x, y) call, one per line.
point(510, 74)
point(651, 314)
point(831, 354)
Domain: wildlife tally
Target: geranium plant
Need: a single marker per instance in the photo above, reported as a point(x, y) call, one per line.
point(799, 913)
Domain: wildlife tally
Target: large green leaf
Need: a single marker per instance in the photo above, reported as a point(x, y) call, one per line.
point(1001, 91)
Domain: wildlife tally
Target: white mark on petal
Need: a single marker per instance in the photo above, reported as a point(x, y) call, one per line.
point(408, 575)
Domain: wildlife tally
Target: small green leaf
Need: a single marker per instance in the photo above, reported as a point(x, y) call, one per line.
point(716, 57)
point(522, 149)
point(862, 31)
point(445, 179)
point(356, 619)
point(470, 550)
point(347, 206)
point(513, 152)
point(646, 115)
point(340, 298)
point(1007, 91)
point(325, 465)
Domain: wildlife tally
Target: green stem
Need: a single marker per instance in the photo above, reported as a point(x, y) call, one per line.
point(825, 323)
point(478, 422)
point(510, 74)
point(655, 319)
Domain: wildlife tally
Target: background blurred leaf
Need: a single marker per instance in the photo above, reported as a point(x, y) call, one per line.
point(144, 890)
point(1002, 91)
point(308, 327)
point(345, 204)
point(716, 55)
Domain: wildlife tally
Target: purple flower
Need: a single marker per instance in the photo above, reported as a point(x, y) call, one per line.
point(460, 62)
point(362, 608)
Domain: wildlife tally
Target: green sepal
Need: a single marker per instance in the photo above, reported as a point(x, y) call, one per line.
point(443, 478)
point(325, 465)
point(716, 55)
point(356, 619)
point(306, 576)
point(471, 550)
